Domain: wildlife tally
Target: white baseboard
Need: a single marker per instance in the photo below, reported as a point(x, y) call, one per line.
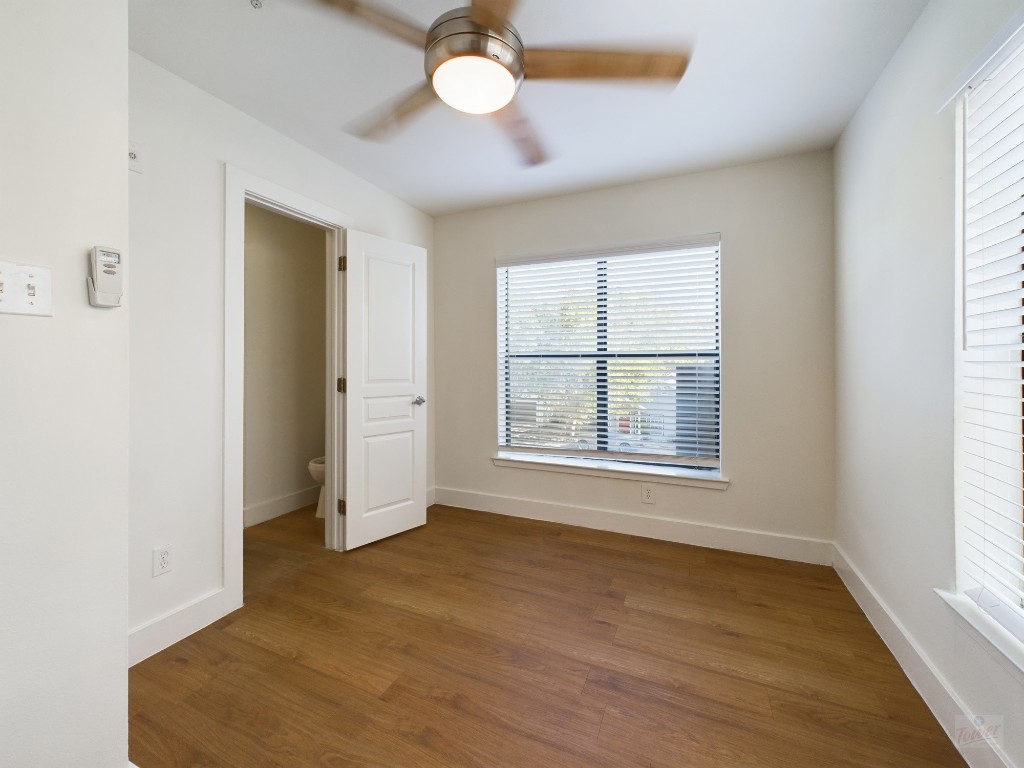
point(800, 549)
point(164, 631)
point(936, 691)
point(431, 496)
point(255, 514)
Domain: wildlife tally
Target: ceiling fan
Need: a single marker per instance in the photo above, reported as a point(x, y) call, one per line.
point(475, 61)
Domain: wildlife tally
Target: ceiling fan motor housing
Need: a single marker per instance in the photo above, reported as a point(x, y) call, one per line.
point(455, 34)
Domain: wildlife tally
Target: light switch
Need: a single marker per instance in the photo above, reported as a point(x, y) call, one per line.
point(25, 289)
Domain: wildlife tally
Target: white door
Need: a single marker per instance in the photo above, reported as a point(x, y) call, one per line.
point(386, 379)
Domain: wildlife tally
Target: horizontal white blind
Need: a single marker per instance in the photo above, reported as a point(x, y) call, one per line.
point(616, 356)
point(990, 540)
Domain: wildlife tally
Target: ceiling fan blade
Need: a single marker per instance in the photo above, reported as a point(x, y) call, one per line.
point(518, 128)
point(385, 19)
point(389, 118)
point(554, 63)
point(493, 14)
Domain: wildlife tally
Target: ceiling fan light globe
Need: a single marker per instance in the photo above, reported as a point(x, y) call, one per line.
point(474, 84)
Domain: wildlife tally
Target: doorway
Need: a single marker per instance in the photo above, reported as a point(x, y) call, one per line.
point(243, 190)
point(375, 344)
point(285, 429)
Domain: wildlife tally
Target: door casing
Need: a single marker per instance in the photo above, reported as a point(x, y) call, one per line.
point(242, 187)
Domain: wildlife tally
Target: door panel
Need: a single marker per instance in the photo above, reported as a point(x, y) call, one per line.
point(386, 366)
point(390, 324)
point(376, 409)
point(389, 464)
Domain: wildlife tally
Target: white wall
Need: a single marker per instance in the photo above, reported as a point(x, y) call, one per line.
point(895, 271)
point(777, 241)
point(285, 313)
point(63, 388)
point(177, 330)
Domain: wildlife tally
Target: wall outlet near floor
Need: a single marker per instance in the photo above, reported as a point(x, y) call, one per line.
point(161, 561)
point(134, 156)
point(647, 493)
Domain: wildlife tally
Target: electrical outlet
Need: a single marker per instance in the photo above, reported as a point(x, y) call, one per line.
point(134, 156)
point(161, 561)
point(647, 493)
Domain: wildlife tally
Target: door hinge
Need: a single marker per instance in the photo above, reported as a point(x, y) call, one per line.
point(342, 263)
point(342, 385)
point(341, 507)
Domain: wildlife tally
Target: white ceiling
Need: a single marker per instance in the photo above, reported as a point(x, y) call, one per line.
point(767, 78)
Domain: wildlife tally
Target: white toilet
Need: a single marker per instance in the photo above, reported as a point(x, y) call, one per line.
point(318, 471)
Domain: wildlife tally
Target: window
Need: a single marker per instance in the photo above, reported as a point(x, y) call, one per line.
point(990, 352)
point(612, 356)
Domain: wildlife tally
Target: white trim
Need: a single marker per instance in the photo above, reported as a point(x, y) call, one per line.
point(255, 514)
point(987, 58)
point(712, 240)
point(573, 465)
point(239, 187)
point(431, 496)
point(235, 183)
point(934, 688)
point(334, 368)
point(164, 631)
point(798, 548)
point(987, 627)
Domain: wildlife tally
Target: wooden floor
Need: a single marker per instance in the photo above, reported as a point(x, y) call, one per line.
point(482, 640)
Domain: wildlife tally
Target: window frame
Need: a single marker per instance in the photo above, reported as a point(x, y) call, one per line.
point(1000, 625)
point(603, 460)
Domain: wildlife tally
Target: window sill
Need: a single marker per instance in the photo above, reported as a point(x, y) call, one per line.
point(615, 469)
point(990, 629)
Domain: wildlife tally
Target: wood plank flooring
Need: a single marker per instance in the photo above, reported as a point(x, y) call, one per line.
point(483, 640)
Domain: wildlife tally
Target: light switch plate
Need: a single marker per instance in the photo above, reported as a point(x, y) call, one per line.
point(25, 289)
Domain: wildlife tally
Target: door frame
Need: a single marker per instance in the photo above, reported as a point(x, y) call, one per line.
point(241, 187)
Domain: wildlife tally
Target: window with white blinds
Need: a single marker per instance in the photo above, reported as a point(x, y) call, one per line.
point(612, 356)
point(990, 357)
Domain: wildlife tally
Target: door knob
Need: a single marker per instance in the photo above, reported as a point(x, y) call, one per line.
point(420, 400)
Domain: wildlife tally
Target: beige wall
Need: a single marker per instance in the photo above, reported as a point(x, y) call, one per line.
point(177, 383)
point(64, 388)
point(895, 212)
point(777, 238)
point(285, 285)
